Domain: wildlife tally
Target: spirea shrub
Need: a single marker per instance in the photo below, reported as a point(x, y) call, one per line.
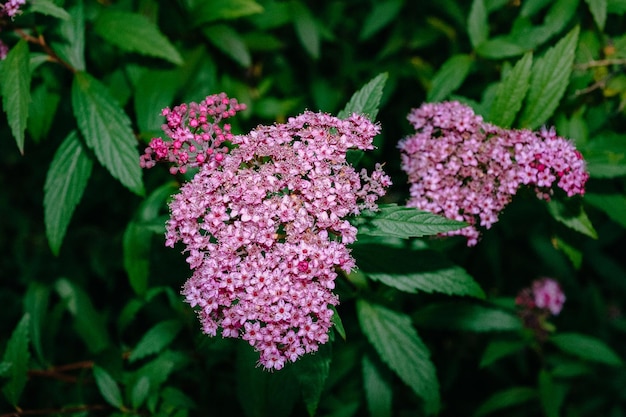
point(466, 169)
point(264, 224)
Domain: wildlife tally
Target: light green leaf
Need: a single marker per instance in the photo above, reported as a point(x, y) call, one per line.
point(72, 46)
point(18, 355)
point(477, 23)
point(396, 341)
point(500, 47)
point(381, 15)
point(505, 399)
point(337, 323)
point(36, 305)
point(511, 92)
point(548, 81)
point(156, 339)
point(306, 28)
point(88, 323)
point(466, 316)
point(499, 349)
point(108, 387)
point(614, 205)
point(66, 181)
point(378, 389)
point(586, 347)
point(228, 41)
point(106, 129)
point(404, 222)
point(413, 271)
point(367, 100)
point(312, 372)
point(598, 9)
point(572, 216)
point(48, 8)
point(449, 77)
point(140, 392)
point(133, 32)
point(210, 11)
point(15, 88)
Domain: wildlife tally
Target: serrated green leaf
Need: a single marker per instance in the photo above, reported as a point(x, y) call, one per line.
point(413, 271)
point(306, 28)
point(396, 341)
point(108, 388)
point(572, 216)
point(41, 112)
point(378, 390)
point(48, 8)
point(449, 77)
point(614, 205)
point(154, 91)
point(367, 100)
point(71, 48)
point(505, 399)
point(381, 15)
point(156, 339)
point(548, 81)
point(36, 305)
point(477, 23)
point(210, 11)
point(140, 392)
point(106, 129)
point(15, 88)
point(586, 347)
point(404, 222)
point(133, 32)
point(511, 92)
point(500, 47)
point(18, 355)
point(466, 316)
point(598, 9)
point(312, 372)
point(226, 39)
point(498, 349)
point(88, 323)
point(66, 181)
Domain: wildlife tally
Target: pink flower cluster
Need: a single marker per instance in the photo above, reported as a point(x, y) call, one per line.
point(466, 169)
point(11, 8)
point(544, 294)
point(265, 231)
point(196, 134)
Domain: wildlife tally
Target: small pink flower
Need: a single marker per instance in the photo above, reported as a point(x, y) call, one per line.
point(548, 295)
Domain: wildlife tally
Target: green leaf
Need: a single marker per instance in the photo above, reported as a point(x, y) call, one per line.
point(66, 181)
point(36, 305)
point(133, 32)
point(72, 46)
point(158, 370)
point(551, 394)
point(404, 222)
point(156, 339)
point(381, 15)
point(378, 389)
point(140, 392)
point(449, 77)
point(548, 81)
point(88, 323)
point(107, 130)
point(605, 155)
point(413, 271)
point(108, 387)
point(614, 205)
point(467, 317)
point(498, 349)
point(42, 111)
point(477, 23)
point(396, 341)
point(505, 399)
point(48, 8)
point(5, 367)
point(226, 39)
point(210, 11)
point(17, 355)
point(573, 216)
point(306, 28)
point(15, 88)
point(337, 323)
point(511, 92)
point(154, 91)
point(312, 372)
point(500, 47)
point(598, 9)
point(367, 100)
point(586, 347)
